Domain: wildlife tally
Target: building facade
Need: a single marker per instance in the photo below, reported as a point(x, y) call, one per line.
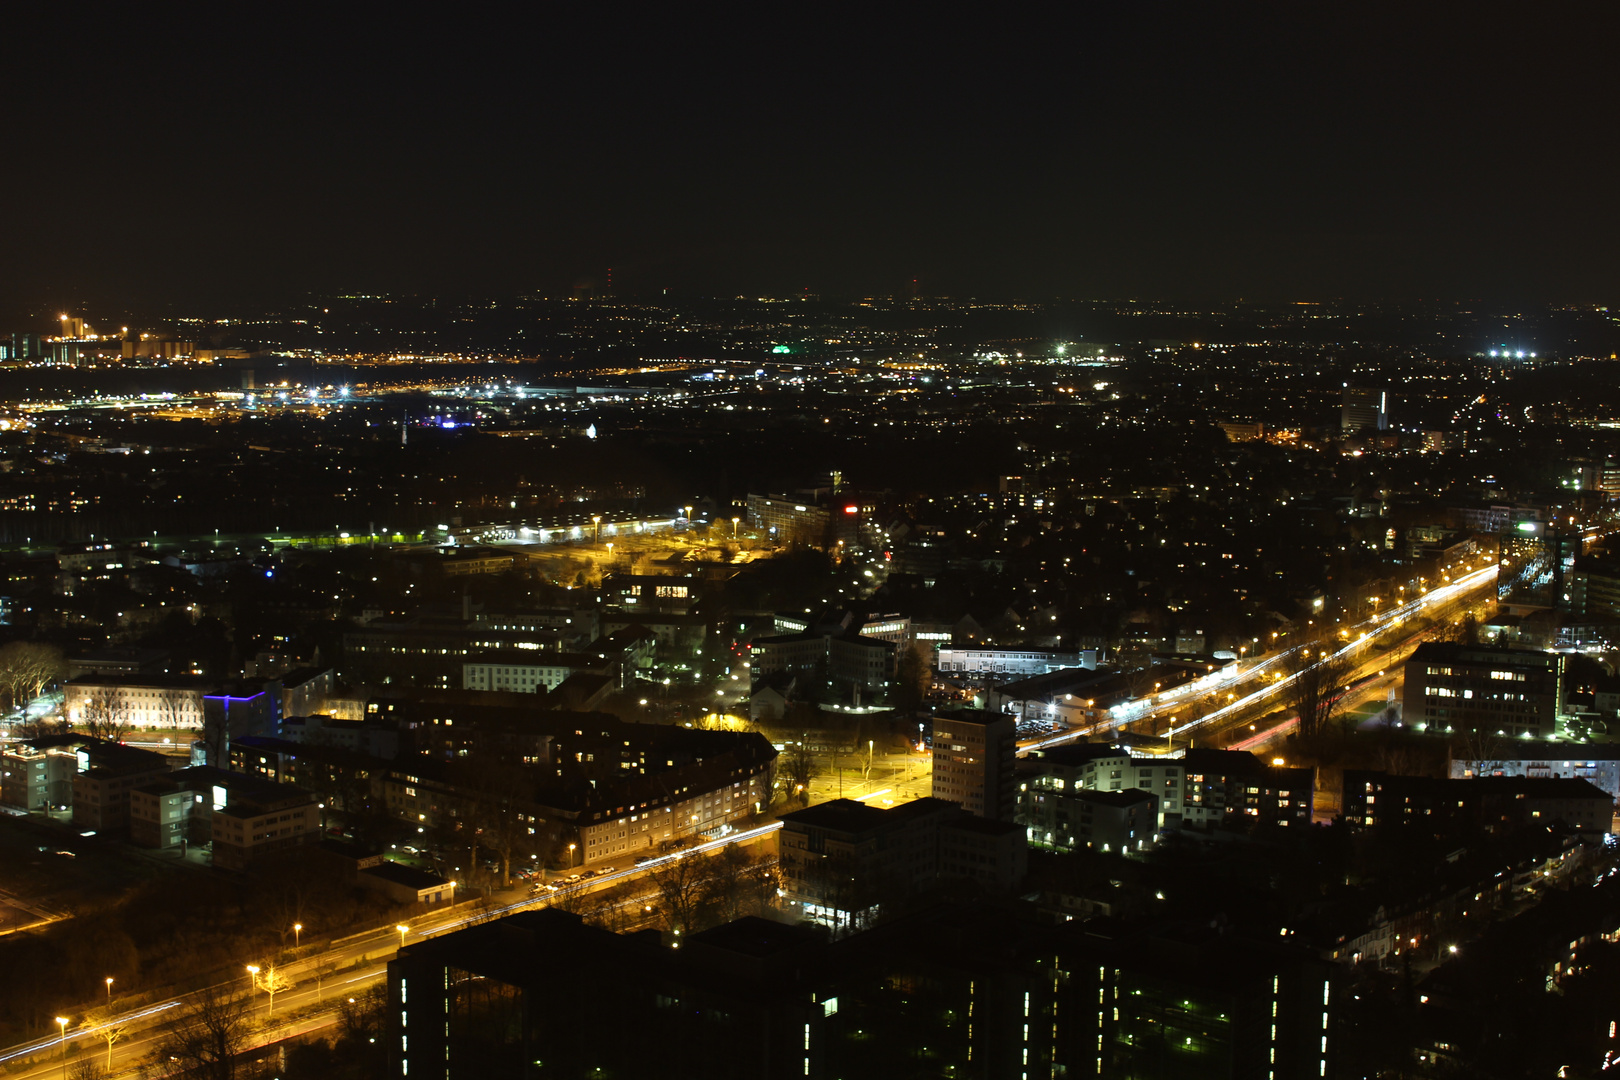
point(1492, 803)
point(842, 860)
point(975, 762)
point(243, 818)
point(848, 658)
point(1054, 773)
point(1010, 663)
point(526, 672)
point(952, 990)
point(1515, 693)
point(168, 702)
point(1120, 822)
point(1234, 785)
point(1596, 762)
point(1363, 409)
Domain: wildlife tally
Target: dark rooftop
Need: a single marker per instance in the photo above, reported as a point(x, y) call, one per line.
point(847, 815)
point(405, 875)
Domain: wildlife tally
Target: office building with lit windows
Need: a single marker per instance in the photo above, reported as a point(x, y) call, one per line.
point(826, 519)
point(1362, 409)
point(1515, 693)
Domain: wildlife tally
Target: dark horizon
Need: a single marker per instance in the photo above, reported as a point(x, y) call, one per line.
point(180, 158)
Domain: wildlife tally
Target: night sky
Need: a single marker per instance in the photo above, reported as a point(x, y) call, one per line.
point(196, 155)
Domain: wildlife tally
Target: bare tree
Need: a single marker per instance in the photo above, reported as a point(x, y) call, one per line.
point(272, 982)
point(1397, 755)
point(1485, 752)
point(37, 729)
point(286, 905)
point(169, 710)
point(206, 1036)
point(361, 1017)
point(502, 804)
point(26, 668)
point(88, 1068)
point(742, 884)
point(1316, 675)
point(797, 767)
point(913, 678)
point(103, 715)
point(682, 885)
point(105, 1026)
point(324, 969)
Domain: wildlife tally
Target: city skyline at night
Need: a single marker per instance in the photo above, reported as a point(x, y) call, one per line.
point(814, 543)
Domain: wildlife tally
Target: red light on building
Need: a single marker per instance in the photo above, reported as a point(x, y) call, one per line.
point(852, 509)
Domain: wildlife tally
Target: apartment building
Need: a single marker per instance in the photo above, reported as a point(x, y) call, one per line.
point(1047, 777)
point(1493, 803)
point(1225, 784)
point(245, 819)
point(975, 756)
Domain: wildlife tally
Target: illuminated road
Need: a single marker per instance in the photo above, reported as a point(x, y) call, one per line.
point(1365, 633)
point(362, 958)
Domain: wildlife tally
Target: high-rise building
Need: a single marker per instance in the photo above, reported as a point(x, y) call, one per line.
point(24, 346)
point(1363, 409)
point(975, 757)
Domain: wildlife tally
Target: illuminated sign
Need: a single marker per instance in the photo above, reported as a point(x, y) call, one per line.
point(852, 509)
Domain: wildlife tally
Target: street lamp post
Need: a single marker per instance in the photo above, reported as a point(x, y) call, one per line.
point(596, 528)
point(402, 928)
point(62, 1022)
point(298, 931)
point(253, 977)
point(109, 991)
point(734, 522)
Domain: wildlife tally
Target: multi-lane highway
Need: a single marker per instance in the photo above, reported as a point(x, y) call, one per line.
point(325, 977)
point(1267, 678)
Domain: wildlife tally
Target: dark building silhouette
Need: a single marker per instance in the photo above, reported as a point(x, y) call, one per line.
point(950, 991)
